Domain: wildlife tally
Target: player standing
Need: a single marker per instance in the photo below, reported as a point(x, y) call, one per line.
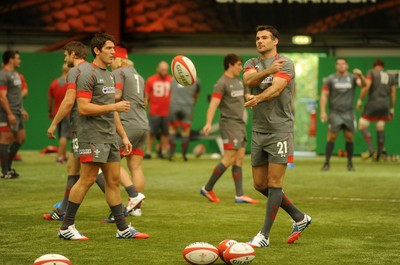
point(381, 90)
point(12, 113)
point(130, 87)
point(158, 97)
point(98, 148)
point(271, 78)
point(339, 90)
point(228, 95)
point(181, 115)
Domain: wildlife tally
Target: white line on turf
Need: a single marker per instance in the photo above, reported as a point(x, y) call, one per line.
point(353, 199)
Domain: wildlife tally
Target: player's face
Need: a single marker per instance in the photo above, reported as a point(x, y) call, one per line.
point(237, 68)
point(106, 54)
point(69, 59)
point(16, 61)
point(265, 41)
point(341, 66)
point(162, 69)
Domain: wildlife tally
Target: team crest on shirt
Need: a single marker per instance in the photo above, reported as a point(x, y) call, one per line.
point(108, 89)
point(96, 153)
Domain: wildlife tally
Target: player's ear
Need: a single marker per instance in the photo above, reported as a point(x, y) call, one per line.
point(96, 50)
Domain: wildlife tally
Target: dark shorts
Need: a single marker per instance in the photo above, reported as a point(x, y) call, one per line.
point(181, 116)
point(341, 121)
point(271, 148)
point(99, 152)
point(376, 113)
point(64, 128)
point(5, 127)
point(158, 125)
point(233, 138)
point(138, 138)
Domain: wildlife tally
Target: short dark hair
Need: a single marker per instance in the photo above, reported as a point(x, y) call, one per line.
point(379, 62)
point(341, 58)
point(9, 54)
point(98, 41)
point(274, 31)
point(78, 47)
point(231, 59)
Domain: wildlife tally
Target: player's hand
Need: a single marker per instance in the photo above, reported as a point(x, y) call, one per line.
point(122, 106)
point(11, 119)
point(51, 130)
point(359, 105)
point(324, 117)
point(252, 101)
point(127, 146)
point(357, 72)
point(276, 66)
point(206, 129)
point(25, 115)
point(391, 111)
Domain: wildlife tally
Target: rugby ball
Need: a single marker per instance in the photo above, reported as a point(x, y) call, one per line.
point(52, 259)
point(183, 70)
point(239, 253)
point(224, 245)
point(199, 149)
point(200, 253)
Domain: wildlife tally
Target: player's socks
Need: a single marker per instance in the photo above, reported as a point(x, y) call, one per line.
point(273, 204)
point(172, 145)
point(132, 191)
point(368, 139)
point(4, 158)
point(238, 179)
point(70, 213)
point(185, 145)
point(381, 140)
point(118, 212)
point(328, 151)
point(217, 173)
point(288, 206)
point(349, 150)
point(71, 180)
point(12, 153)
point(101, 182)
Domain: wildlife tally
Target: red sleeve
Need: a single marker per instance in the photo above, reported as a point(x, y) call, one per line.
point(24, 85)
point(325, 88)
point(118, 86)
point(249, 68)
point(217, 95)
point(283, 75)
point(84, 94)
point(71, 86)
point(3, 87)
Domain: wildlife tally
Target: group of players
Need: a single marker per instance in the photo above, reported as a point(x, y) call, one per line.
point(103, 104)
point(339, 91)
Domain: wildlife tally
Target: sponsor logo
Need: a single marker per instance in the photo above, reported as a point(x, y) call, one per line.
point(85, 151)
point(237, 93)
point(108, 89)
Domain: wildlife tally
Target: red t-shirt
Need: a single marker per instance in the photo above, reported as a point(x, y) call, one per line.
point(57, 91)
point(158, 90)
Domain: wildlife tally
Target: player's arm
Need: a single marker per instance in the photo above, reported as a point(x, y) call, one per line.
point(322, 104)
point(121, 132)
point(6, 106)
point(87, 108)
point(252, 78)
point(361, 80)
point(363, 93)
point(50, 103)
point(215, 101)
point(118, 94)
point(276, 88)
point(393, 98)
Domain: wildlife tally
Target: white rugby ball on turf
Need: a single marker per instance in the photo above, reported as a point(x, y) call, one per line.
point(52, 259)
point(200, 253)
point(224, 245)
point(199, 149)
point(183, 70)
point(239, 253)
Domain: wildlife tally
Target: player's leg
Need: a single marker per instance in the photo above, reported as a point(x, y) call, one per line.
point(134, 163)
point(237, 175)
point(363, 126)
point(19, 139)
point(6, 138)
point(349, 138)
point(380, 131)
point(330, 145)
point(172, 130)
point(164, 141)
point(185, 133)
point(218, 171)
